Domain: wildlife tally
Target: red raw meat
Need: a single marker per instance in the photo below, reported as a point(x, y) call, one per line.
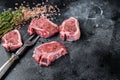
point(43, 27)
point(12, 40)
point(70, 29)
point(49, 52)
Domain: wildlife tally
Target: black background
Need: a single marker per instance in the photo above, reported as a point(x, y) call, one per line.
point(96, 56)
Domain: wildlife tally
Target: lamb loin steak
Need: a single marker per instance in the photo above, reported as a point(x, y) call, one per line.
point(43, 27)
point(70, 29)
point(49, 52)
point(12, 40)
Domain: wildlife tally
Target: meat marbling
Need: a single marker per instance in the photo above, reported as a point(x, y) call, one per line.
point(70, 29)
point(12, 40)
point(49, 52)
point(43, 27)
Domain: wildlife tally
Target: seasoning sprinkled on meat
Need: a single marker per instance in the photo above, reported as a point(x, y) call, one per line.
point(43, 27)
point(12, 40)
point(47, 53)
point(70, 30)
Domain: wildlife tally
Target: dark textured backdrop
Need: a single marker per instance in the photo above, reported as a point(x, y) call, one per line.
point(96, 56)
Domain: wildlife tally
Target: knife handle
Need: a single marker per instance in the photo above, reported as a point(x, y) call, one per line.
point(7, 65)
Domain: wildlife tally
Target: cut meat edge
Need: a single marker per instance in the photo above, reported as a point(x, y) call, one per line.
point(68, 35)
point(45, 58)
point(42, 31)
point(9, 46)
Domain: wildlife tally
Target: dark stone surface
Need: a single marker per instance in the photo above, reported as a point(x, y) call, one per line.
point(94, 57)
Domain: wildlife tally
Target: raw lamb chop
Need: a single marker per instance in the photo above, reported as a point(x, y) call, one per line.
point(49, 52)
point(43, 27)
point(70, 30)
point(12, 40)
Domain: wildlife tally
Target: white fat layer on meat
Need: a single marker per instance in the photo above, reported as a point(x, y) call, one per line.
point(7, 45)
point(76, 35)
point(36, 52)
point(54, 53)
